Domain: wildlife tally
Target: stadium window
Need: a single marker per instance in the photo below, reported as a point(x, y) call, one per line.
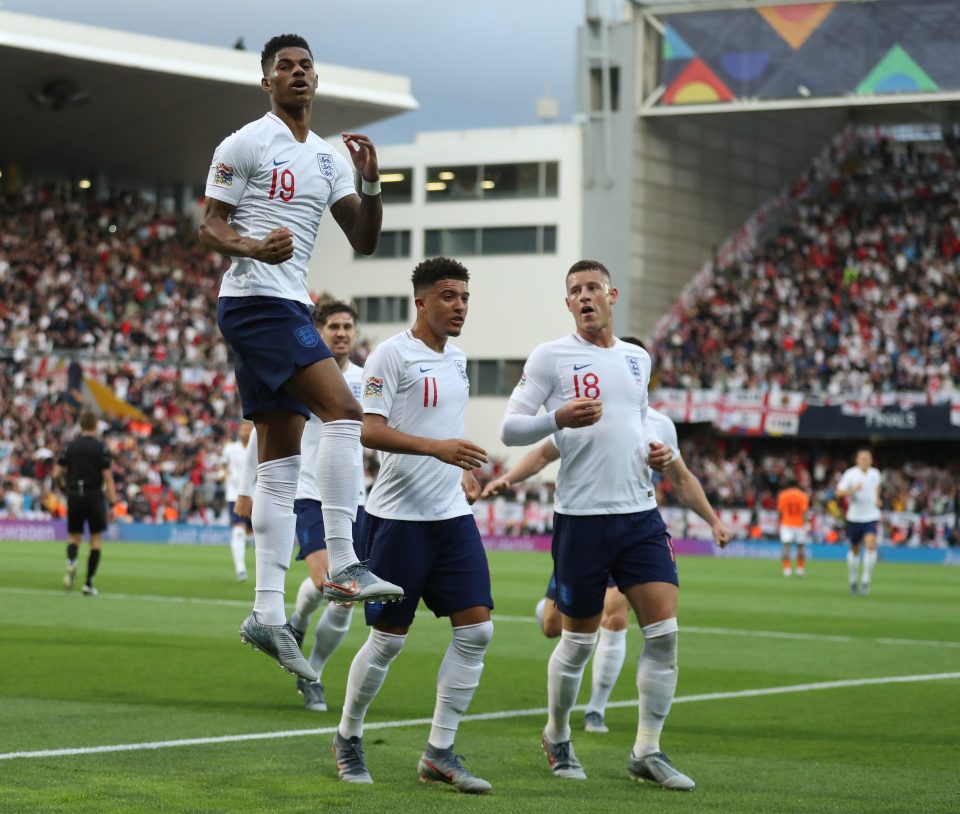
point(509, 240)
point(374, 310)
point(451, 242)
point(494, 377)
point(511, 181)
point(596, 89)
point(491, 240)
point(396, 185)
point(452, 183)
point(550, 181)
point(392, 244)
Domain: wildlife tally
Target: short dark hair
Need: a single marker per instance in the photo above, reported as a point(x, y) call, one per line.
point(321, 315)
point(278, 43)
point(435, 269)
point(633, 341)
point(589, 265)
point(88, 421)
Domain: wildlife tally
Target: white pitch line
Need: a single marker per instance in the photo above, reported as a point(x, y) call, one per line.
point(709, 631)
point(482, 716)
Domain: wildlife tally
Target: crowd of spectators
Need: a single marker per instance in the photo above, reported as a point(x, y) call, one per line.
point(116, 277)
point(855, 294)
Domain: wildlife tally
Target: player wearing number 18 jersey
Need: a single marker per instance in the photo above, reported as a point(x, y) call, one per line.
point(268, 186)
point(594, 389)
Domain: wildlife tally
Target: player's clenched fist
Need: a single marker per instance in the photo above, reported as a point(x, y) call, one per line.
point(579, 413)
point(276, 247)
point(460, 453)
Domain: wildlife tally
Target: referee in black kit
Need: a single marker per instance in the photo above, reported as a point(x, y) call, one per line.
point(83, 469)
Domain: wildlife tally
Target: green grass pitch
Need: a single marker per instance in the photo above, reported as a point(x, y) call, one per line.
point(156, 658)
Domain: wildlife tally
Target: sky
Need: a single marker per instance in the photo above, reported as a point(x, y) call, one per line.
point(472, 63)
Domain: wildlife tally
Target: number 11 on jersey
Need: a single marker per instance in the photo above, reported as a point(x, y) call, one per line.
point(430, 391)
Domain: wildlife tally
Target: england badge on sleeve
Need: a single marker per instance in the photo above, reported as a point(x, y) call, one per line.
point(327, 168)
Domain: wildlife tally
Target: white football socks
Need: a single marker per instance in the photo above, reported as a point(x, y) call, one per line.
point(869, 561)
point(338, 459)
point(853, 563)
point(274, 528)
point(309, 597)
point(656, 683)
point(332, 629)
point(367, 674)
point(564, 674)
point(238, 548)
point(607, 662)
point(457, 680)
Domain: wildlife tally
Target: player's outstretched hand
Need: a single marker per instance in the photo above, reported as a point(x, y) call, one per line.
point(460, 453)
point(579, 413)
point(363, 154)
point(244, 506)
point(495, 487)
point(659, 457)
point(721, 534)
point(276, 247)
point(470, 486)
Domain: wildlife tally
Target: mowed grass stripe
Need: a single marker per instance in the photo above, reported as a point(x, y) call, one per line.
point(483, 716)
point(506, 618)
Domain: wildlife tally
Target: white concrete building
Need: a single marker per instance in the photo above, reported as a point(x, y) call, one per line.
point(507, 204)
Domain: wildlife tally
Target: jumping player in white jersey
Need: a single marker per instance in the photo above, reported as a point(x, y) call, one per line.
point(234, 458)
point(419, 530)
point(860, 484)
point(337, 324)
point(606, 523)
point(611, 650)
point(268, 186)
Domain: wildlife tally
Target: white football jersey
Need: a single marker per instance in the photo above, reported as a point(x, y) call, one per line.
point(862, 506)
point(659, 427)
point(307, 487)
point(603, 467)
point(273, 180)
point(424, 393)
point(234, 458)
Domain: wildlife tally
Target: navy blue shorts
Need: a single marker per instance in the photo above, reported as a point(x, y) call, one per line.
point(271, 338)
point(551, 593)
point(441, 561)
point(589, 550)
point(310, 533)
point(857, 531)
point(236, 519)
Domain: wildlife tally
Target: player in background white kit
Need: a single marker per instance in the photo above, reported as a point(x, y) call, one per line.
point(234, 458)
point(419, 530)
point(860, 484)
point(268, 186)
point(606, 522)
point(337, 323)
point(611, 650)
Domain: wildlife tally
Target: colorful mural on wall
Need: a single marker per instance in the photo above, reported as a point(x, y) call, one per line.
point(810, 50)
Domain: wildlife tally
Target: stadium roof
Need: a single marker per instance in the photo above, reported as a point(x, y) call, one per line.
point(81, 100)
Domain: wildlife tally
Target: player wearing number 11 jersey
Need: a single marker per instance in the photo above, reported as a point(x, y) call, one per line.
point(419, 530)
point(594, 389)
point(267, 188)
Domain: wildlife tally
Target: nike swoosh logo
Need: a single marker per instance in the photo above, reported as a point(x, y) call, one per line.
point(581, 367)
point(280, 163)
point(425, 369)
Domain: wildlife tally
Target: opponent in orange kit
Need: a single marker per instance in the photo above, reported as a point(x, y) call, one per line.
point(793, 504)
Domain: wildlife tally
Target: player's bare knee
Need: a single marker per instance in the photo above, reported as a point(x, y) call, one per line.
point(615, 620)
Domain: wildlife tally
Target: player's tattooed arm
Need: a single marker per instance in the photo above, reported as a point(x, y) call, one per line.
point(361, 216)
point(218, 235)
